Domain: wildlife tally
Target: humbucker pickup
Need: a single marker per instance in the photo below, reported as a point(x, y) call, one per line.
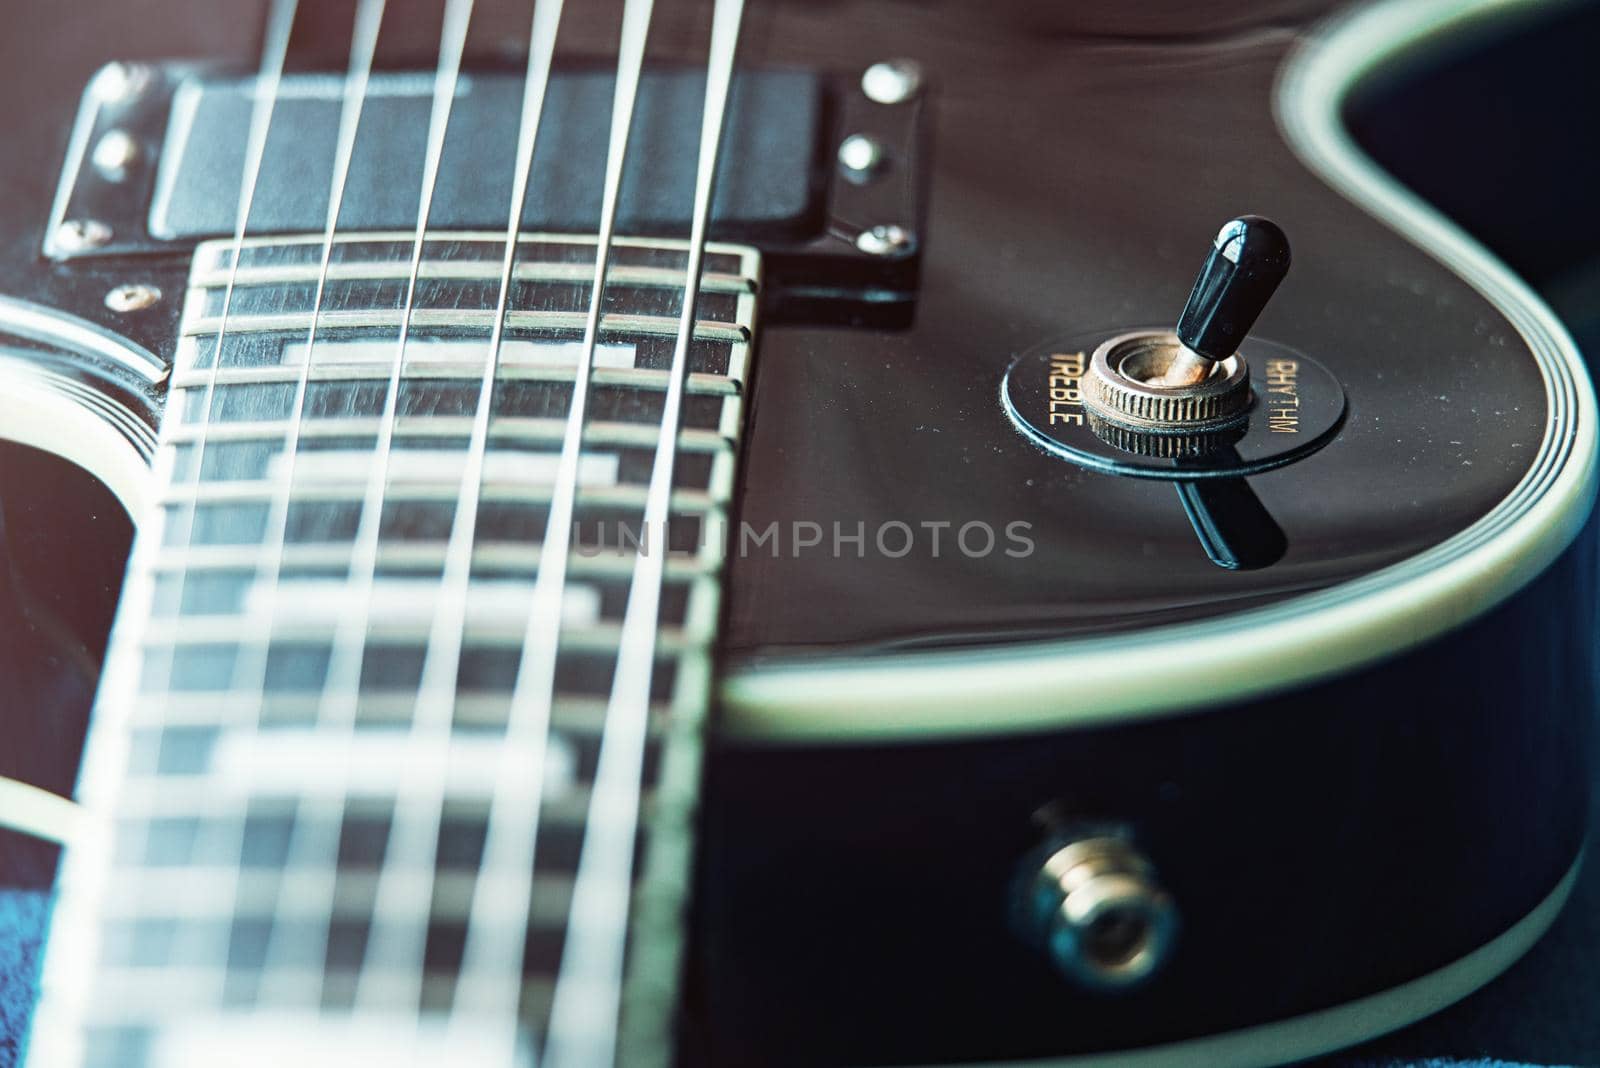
point(155, 158)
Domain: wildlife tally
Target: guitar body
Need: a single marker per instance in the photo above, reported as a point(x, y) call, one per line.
point(1352, 770)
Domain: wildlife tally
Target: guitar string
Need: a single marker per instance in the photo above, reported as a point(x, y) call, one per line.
point(264, 101)
point(507, 861)
point(265, 90)
point(489, 979)
point(583, 1033)
point(363, 48)
point(350, 637)
point(414, 835)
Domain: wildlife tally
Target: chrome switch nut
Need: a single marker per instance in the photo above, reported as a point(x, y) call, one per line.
point(1124, 387)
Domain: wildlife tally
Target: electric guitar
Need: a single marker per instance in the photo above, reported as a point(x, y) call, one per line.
point(733, 533)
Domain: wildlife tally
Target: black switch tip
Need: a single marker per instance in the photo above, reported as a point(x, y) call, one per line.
point(1247, 261)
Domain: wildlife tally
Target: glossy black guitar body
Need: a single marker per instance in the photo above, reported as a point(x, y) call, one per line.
point(1357, 768)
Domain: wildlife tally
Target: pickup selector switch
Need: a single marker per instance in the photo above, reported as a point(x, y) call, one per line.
point(1205, 399)
point(1194, 379)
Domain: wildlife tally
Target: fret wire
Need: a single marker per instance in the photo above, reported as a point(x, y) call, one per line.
point(686, 501)
point(471, 271)
point(415, 828)
point(133, 993)
point(517, 557)
point(507, 428)
point(592, 954)
point(611, 324)
point(575, 714)
point(181, 798)
point(208, 630)
point(497, 238)
point(260, 890)
point(644, 378)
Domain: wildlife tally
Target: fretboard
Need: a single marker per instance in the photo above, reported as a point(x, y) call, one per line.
point(264, 807)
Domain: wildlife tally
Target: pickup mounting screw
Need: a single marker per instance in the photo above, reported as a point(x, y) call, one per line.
point(893, 81)
point(81, 235)
point(132, 297)
point(886, 241)
point(860, 156)
point(120, 81)
point(115, 154)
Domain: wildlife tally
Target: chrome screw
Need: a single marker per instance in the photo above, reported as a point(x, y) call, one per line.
point(860, 155)
point(81, 235)
point(894, 81)
point(120, 81)
point(132, 297)
point(886, 241)
point(115, 154)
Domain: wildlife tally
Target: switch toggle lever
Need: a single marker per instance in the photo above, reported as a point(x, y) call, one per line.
point(1194, 379)
point(1248, 259)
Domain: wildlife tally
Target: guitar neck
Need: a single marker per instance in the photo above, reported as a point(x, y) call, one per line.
point(341, 789)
